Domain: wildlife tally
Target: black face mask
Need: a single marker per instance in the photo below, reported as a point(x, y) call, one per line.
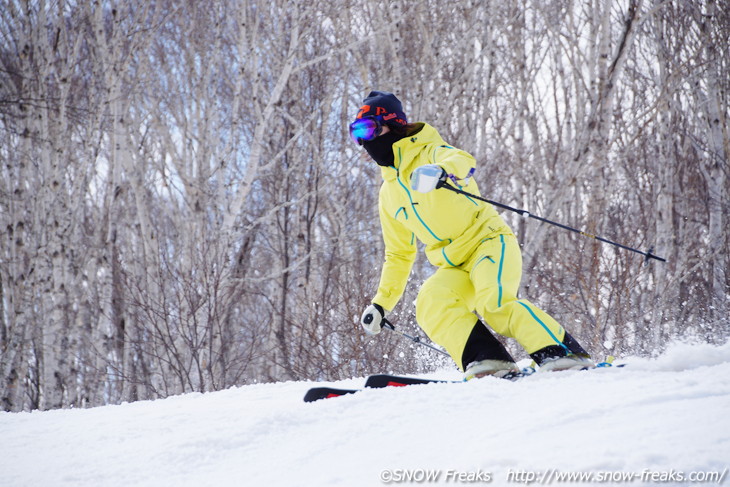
point(381, 148)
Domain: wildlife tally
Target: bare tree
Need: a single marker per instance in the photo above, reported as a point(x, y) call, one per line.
point(181, 208)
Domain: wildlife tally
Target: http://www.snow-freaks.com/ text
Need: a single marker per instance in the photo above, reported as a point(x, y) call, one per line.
point(549, 476)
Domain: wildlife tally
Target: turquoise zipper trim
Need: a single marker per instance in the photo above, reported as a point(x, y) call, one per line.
point(443, 252)
point(410, 198)
point(552, 335)
point(405, 213)
point(436, 149)
point(475, 203)
point(483, 259)
point(499, 273)
point(416, 211)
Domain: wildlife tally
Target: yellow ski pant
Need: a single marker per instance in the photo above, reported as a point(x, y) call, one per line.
point(486, 283)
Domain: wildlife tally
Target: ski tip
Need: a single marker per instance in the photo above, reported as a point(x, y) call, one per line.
point(318, 393)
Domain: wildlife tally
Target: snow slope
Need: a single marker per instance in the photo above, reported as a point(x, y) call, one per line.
point(654, 419)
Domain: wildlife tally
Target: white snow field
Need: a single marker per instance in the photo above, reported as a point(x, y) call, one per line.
point(664, 421)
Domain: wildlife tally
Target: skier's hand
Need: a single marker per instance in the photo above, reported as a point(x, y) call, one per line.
point(372, 319)
point(427, 178)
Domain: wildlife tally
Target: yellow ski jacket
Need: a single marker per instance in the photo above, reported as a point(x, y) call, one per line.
point(449, 224)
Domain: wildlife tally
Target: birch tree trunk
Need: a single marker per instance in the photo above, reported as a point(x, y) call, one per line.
point(715, 167)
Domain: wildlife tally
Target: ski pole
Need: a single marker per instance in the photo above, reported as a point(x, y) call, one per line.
point(647, 255)
point(387, 324)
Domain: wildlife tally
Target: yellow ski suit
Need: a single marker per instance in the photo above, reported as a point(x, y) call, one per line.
point(478, 258)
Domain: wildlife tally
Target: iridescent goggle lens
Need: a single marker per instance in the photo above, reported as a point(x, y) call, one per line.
point(365, 129)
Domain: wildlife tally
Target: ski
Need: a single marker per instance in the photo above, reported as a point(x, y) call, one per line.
point(378, 381)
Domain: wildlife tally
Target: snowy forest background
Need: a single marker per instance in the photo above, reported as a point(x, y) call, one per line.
point(181, 208)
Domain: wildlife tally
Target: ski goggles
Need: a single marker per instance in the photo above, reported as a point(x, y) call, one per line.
point(365, 129)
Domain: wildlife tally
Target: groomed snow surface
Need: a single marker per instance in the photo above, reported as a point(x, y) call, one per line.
point(664, 421)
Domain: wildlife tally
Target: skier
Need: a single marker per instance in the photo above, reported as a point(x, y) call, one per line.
point(477, 255)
